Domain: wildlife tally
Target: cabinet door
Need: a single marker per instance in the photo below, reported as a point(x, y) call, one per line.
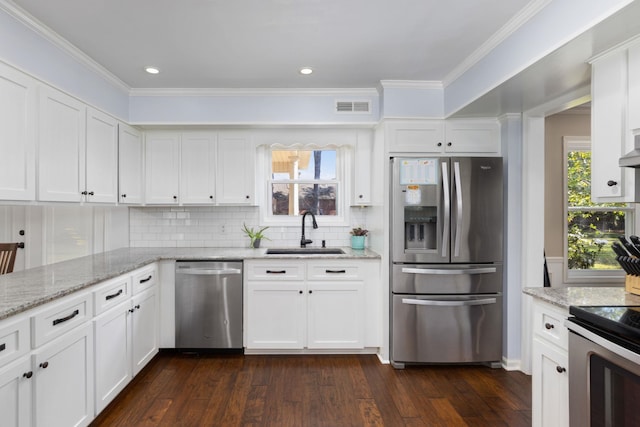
point(276, 315)
point(15, 394)
point(472, 136)
point(61, 148)
point(335, 315)
point(634, 87)
point(101, 158)
point(144, 328)
point(113, 354)
point(198, 167)
point(362, 170)
point(424, 136)
point(162, 160)
point(235, 178)
point(130, 165)
point(608, 94)
point(550, 385)
point(17, 135)
point(63, 380)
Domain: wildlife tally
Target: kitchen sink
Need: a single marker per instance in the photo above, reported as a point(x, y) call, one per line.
point(304, 251)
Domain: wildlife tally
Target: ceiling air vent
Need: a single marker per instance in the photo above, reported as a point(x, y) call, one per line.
point(353, 106)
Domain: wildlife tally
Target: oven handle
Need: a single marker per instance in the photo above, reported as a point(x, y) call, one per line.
point(484, 301)
point(603, 342)
point(483, 270)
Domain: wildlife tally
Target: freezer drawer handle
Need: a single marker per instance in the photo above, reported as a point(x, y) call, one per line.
point(484, 301)
point(483, 270)
point(210, 271)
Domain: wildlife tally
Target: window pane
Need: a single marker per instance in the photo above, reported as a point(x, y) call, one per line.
point(296, 199)
point(303, 164)
point(589, 239)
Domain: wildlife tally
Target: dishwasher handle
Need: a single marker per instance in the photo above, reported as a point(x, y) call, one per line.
point(210, 271)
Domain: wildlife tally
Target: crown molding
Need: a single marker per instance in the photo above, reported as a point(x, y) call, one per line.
point(47, 33)
point(411, 84)
point(524, 15)
point(368, 92)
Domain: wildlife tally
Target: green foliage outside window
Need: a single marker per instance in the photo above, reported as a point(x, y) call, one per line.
point(593, 226)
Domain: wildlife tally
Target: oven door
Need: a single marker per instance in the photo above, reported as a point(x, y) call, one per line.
point(604, 378)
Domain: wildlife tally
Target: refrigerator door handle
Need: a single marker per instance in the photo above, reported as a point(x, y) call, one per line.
point(483, 270)
point(484, 301)
point(447, 209)
point(458, 185)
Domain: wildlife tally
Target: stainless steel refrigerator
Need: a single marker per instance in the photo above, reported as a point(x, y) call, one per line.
point(446, 252)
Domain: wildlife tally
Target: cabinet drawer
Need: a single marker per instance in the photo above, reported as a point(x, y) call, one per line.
point(334, 271)
point(59, 318)
point(276, 270)
point(144, 278)
point(548, 323)
point(111, 293)
point(14, 340)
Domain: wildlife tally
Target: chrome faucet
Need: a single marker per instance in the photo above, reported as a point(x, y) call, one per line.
point(303, 241)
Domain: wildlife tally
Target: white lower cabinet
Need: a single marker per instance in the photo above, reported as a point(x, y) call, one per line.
point(310, 304)
point(63, 380)
point(550, 368)
point(15, 393)
point(126, 336)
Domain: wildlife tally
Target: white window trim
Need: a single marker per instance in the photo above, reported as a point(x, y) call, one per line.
point(585, 276)
point(343, 159)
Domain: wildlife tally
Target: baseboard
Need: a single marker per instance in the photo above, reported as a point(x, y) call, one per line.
point(511, 364)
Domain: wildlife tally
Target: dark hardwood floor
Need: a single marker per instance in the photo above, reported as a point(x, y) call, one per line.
point(332, 391)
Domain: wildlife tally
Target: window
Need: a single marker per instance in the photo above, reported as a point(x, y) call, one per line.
point(305, 180)
point(590, 227)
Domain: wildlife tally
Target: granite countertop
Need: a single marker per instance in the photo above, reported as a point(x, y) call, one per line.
point(23, 290)
point(565, 297)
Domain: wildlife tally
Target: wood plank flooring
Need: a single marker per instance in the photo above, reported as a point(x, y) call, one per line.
point(333, 391)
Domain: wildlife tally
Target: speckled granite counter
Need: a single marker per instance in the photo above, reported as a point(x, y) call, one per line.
point(26, 289)
point(565, 297)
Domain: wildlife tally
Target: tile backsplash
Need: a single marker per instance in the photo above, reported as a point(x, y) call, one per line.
point(220, 226)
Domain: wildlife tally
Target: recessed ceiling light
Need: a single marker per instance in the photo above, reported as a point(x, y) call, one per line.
point(152, 70)
point(306, 70)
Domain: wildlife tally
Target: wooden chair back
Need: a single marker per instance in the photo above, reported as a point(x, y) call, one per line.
point(7, 257)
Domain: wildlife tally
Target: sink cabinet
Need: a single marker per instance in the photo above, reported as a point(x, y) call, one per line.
point(311, 304)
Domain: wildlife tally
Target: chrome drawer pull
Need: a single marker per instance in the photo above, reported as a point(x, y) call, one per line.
point(146, 280)
point(112, 296)
point(64, 319)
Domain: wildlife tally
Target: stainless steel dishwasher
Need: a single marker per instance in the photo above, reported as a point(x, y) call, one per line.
point(209, 305)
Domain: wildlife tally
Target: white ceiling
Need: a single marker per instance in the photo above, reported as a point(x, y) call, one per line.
point(263, 43)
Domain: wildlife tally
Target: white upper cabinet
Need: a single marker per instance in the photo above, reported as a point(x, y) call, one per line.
point(61, 151)
point(101, 176)
point(162, 160)
point(198, 168)
point(17, 135)
point(130, 165)
point(610, 135)
point(456, 136)
point(235, 179)
point(634, 88)
point(361, 170)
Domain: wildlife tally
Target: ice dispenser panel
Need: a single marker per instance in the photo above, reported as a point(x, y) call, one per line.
point(420, 225)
